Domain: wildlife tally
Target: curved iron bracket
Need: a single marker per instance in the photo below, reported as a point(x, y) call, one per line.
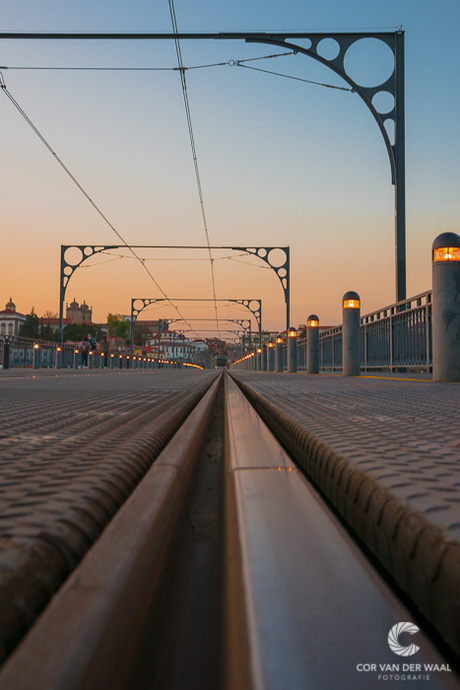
point(68, 268)
point(280, 267)
point(253, 305)
point(394, 85)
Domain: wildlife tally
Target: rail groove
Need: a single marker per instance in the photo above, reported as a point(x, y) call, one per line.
point(415, 553)
point(297, 604)
point(88, 635)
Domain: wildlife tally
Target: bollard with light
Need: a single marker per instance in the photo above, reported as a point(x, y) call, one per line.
point(313, 344)
point(58, 357)
point(279, 354)
point(36, 356)
point(259, 359)
point(271, 356)
point(351, 334)
point(292, 350)
point(446, 307)
point(264, 357)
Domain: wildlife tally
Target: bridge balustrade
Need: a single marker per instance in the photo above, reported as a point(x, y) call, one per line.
point(398, 336)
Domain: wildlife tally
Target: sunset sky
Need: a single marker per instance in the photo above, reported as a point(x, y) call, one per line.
point(282, 162)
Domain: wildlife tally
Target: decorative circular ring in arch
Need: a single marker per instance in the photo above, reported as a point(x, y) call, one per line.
point(276, 257)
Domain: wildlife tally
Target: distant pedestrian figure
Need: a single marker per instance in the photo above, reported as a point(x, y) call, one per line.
point(92, 342)
point(105, 349)
point(84, 348)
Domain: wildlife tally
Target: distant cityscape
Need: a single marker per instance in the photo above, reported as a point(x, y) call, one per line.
point(151, 338)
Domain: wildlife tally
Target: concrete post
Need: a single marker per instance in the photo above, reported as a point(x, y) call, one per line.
point(351, 335)
point(292, 351)
point(36, 356)
point(313, 344)
point(6, 353)
point(446, 307)
point(271, 356)
point(279, 363)
point(264, 358)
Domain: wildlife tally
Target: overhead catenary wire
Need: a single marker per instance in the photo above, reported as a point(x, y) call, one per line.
point(227, 63)
point(180, 62)
point(44, 141)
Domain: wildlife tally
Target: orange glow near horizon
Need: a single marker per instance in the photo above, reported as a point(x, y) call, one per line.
point(132, 158)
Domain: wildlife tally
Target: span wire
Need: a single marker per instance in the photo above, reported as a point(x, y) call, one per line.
point(82, 190)
point(172, 12)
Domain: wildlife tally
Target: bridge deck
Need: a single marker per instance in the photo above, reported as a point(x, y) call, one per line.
point(72, 449)
point(386, 453)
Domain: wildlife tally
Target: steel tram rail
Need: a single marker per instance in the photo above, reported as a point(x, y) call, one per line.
point(294, 602)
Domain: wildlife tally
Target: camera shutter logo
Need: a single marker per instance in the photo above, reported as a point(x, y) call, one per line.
point(393, 639)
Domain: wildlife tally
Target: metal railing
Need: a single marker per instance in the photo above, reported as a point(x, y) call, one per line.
point(393, 338)
point(37, 354)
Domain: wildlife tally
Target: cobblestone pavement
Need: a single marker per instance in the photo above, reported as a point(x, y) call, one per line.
point(72, 448)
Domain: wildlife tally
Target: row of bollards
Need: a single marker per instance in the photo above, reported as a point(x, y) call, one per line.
point(445, 324)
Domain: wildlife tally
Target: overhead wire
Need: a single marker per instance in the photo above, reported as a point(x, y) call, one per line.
point(289, 76)
point(44, 141)
point(228, 63)
point(180, 62)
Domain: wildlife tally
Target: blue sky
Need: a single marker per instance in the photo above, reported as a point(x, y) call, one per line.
point(281, 162)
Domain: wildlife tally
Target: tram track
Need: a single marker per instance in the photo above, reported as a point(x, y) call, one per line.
point(223, 569)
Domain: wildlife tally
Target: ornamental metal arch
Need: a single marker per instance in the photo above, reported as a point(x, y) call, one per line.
point(241, 334)
point(394, 85)
point(253, 305)
point(281, 267)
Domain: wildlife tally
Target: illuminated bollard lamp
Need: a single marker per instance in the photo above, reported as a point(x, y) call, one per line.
point(36, 356)
point(58, 357)
point(271, 356)
point(264, 358)
point(279, 364)
point(446, 307)
point(292, 350)
point(259, 359)
point(313, 344)
point(351, 335)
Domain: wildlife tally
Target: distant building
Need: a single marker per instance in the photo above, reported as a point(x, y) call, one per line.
point(10, 319)
point(79, 313)
point(53, 322)
point(172, 345)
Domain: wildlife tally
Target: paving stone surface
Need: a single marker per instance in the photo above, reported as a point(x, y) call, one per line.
point(405, 433)
point(73, 446)
point(386, 454)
